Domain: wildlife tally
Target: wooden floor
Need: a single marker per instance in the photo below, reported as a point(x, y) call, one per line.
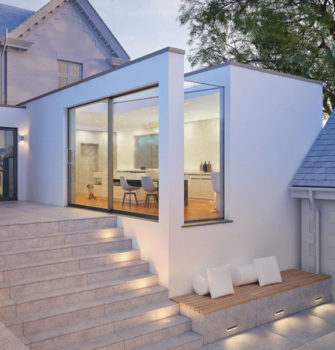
point(195, 210)
point(243, 294)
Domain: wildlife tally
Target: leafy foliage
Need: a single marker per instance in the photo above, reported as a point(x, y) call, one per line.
point(291, 36)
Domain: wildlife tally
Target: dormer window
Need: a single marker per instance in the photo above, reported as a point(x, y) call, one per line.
point(69, 72)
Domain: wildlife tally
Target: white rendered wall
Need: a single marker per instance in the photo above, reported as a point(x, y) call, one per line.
point(48, 143)
point(270, 123)
point(12, 117)
point(64, 36)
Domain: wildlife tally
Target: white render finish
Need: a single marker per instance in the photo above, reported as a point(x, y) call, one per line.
point(61, 35)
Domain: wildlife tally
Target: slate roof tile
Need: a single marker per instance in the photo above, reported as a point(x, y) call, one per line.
point(318, 167)
point(11, 17)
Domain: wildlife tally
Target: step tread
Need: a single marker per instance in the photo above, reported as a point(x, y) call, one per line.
point(62, 260)
point(65, 245)
point(175, 341)
point(148, 328)
point(87, 324)
point(55, 234)
point(92, 303)
point(79, 272)
point(72, 290)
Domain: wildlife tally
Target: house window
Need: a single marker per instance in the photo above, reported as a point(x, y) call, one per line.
point(69, 72)
point(203, 152)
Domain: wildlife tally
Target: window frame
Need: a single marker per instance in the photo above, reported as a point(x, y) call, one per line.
point(68, 75)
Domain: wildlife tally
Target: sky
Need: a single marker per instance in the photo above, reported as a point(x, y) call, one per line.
point(141, 26)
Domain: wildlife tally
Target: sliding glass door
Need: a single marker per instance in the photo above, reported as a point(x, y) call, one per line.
point(113, 154)
point(88, 155)
point(8, 164)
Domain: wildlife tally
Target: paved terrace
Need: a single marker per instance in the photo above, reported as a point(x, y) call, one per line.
point(12, 213)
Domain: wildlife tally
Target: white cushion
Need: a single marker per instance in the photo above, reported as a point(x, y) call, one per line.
point(244, 274)
point(267, 270)
point(200, 284)
point(220, 281)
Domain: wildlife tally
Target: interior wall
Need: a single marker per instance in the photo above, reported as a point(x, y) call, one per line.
point(13, 117)
point(202, 143)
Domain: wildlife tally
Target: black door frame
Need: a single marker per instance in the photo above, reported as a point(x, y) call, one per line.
point(15, 170)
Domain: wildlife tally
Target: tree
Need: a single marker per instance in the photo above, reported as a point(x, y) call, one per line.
point(291, 36)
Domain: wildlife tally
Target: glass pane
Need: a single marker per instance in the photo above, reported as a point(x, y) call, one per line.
point(62, 82)
point(88, 155)
point(203, 152)
point(135, 152)
point(74, 80)
point(62, 67)
point(75, 70)
point(7, 164)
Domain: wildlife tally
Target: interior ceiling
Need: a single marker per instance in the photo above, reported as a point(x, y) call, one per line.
point(143, 114)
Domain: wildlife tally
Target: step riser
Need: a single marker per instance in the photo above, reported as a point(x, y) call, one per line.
point(106, 275)
point(136, 302)
point(79, 280)
point(155, 315)
point(68, 266)
point(67, 252)
point(129, 255)
point(30, 257)
point(20, 291)
point(126, 286)
point(93, 236)
point(62, 238)
point(40, 242)
point(106, 329)
point(103, 247)
point(21, 230)
point(41, 271)
point(70, 318)
point(156, 336)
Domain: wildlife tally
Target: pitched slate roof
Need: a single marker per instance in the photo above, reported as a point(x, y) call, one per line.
point(11, 17)
point(318, 168)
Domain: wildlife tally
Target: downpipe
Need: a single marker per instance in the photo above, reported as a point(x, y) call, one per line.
point(317, 230)
point(2, 69)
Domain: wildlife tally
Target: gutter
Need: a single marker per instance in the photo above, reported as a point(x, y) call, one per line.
point(317, 230)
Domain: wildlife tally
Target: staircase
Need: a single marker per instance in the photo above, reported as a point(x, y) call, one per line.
point(79, 285)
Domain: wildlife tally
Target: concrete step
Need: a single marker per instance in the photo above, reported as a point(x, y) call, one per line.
point(48, 319)
point(185, 341)
point(55, 239)
point(79, 278)
point(19, 272)
point(54, 226)
point(64, 251)
point(61, 337)
point(78, 294)
point(138, 336)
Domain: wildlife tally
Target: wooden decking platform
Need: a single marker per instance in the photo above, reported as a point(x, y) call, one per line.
point(243, 294)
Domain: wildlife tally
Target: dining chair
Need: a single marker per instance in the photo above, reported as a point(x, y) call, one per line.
point(129, 190)
point(148, 186)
